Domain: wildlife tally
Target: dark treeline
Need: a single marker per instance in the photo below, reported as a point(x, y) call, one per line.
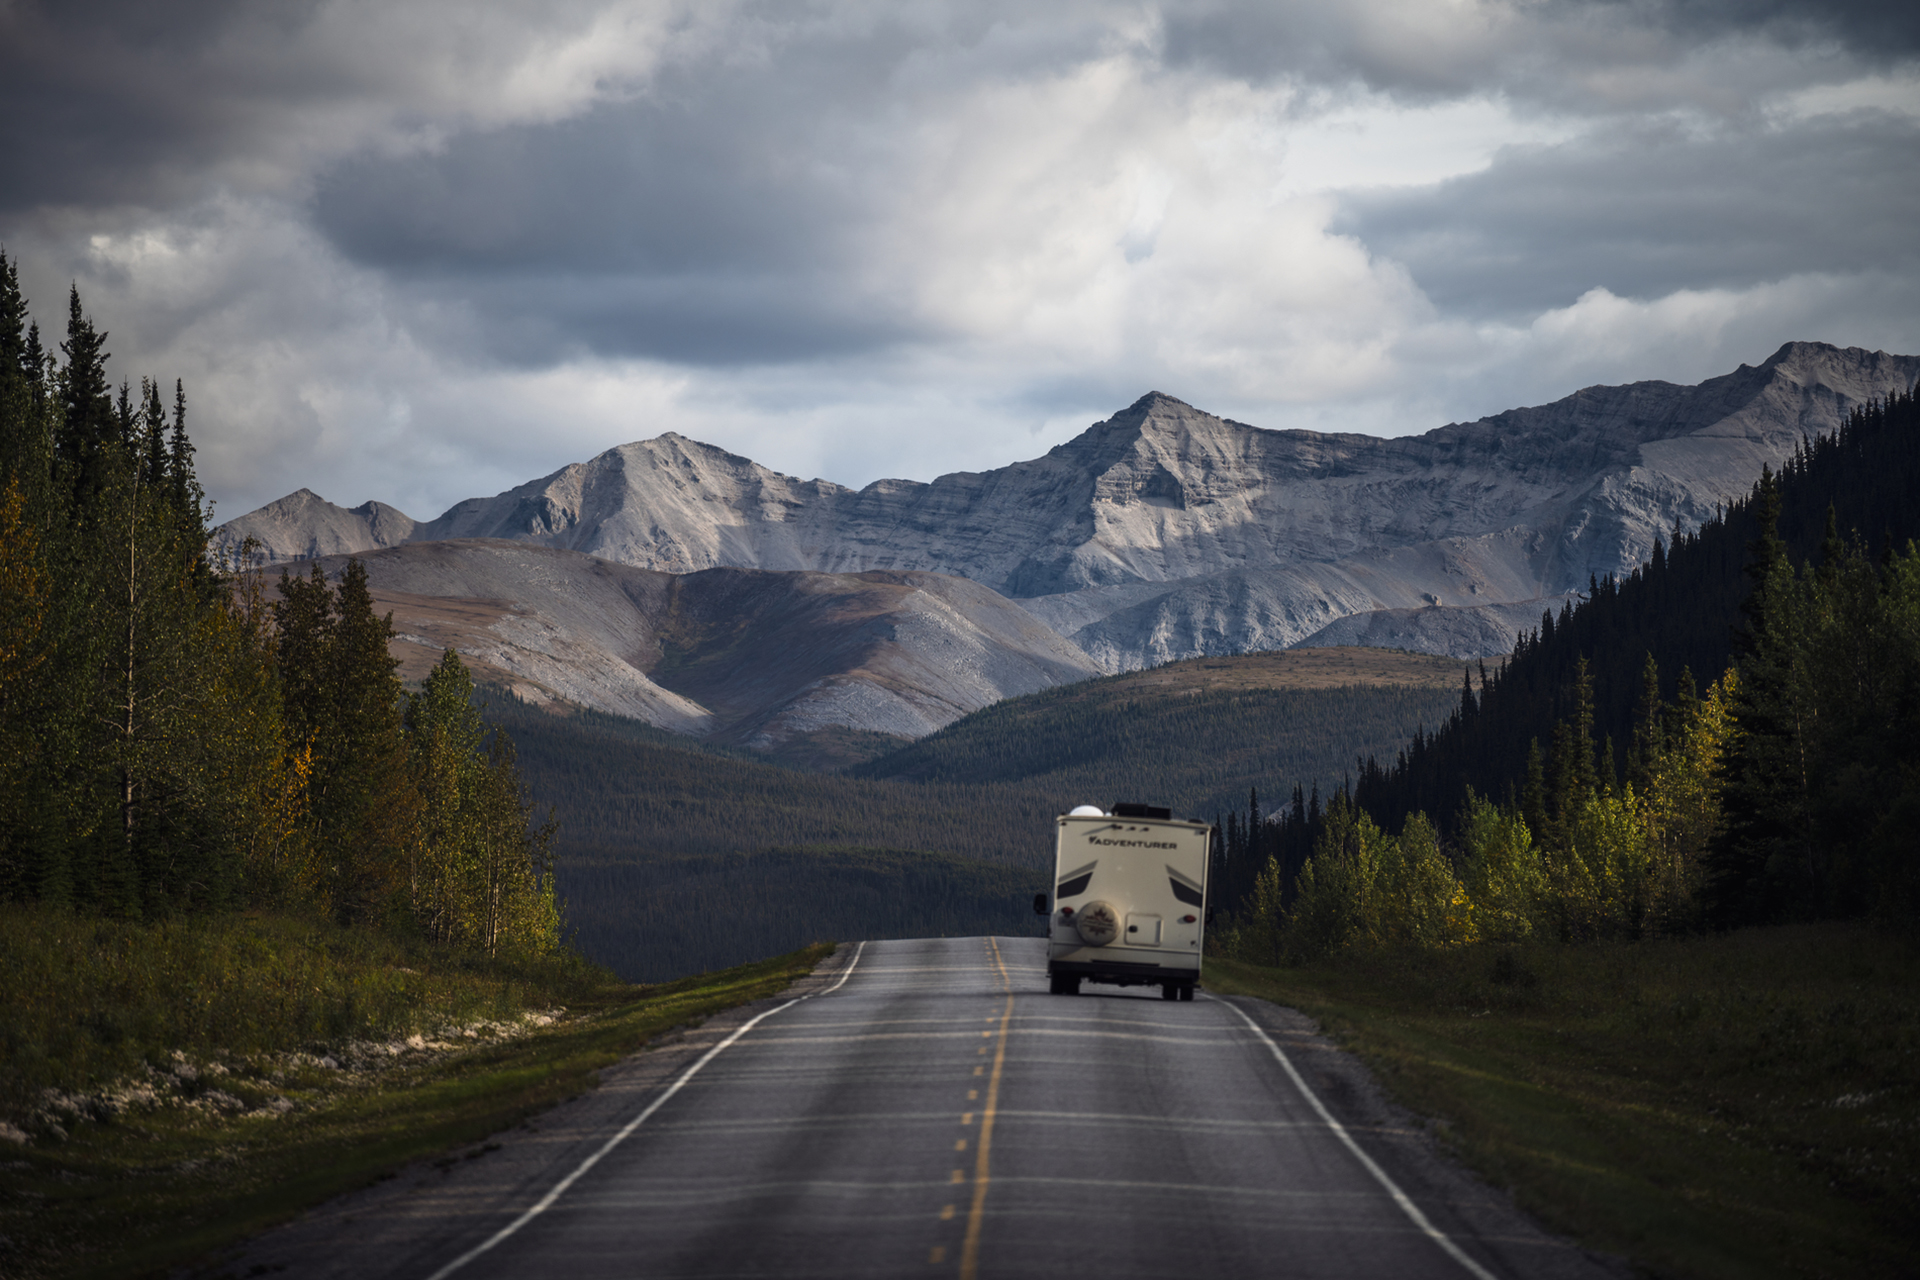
point(674, 858)
point(1683, 608)
point(632, 796)
point(172, 740)
point(1196, 751)
point(1248, 840)
point(1729, 736)
point(986, 787)
point(658, 827)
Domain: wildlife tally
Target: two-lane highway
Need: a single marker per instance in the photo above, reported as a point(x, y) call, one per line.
point(937, 1112)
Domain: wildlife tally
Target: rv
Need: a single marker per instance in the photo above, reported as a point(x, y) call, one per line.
point(1129, 900)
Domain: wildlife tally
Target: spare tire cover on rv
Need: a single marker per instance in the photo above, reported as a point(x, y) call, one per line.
point(1098, 923)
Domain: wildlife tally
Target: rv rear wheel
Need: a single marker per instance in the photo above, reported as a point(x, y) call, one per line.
point(1064, 984)
point(1186, 991)
point(1169, 991)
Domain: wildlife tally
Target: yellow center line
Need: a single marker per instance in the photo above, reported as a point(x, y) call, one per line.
point(970, 1250)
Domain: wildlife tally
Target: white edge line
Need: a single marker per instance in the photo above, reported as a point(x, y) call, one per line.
point(559, 1188)
point(1400, 1198)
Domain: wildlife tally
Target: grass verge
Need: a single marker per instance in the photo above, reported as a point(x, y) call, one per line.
point(1743, 1105)
point(206, 1138)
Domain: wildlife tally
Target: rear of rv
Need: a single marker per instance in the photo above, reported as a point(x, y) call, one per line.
point(1130, 900)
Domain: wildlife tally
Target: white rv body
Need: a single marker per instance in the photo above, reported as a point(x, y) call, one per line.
point(1129, 901)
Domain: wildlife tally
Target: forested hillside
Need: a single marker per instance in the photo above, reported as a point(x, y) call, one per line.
point(670, 854)
point(624, 794)
point(1683, 608)
point(171, 743)
point(1175, 736)
point(673, 859)
point(1730, 736)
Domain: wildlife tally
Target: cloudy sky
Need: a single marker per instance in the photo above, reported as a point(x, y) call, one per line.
point(419, 251)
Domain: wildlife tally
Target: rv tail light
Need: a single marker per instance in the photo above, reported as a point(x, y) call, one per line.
point(1188, 919)
point(1066, 912)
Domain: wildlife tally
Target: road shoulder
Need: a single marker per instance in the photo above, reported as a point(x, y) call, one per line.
point(1484, 1220)
point(431, 1210)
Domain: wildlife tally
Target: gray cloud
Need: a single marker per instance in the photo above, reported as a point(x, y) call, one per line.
point(712, 235)
point(419, 250)
point(1877, 30)
point(1606, 55)
point(1644, 211)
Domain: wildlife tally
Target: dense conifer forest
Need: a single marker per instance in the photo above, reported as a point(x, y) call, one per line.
point(1726, 737)
point(668, 850)
point(1684, 608)
point(1197, 751)
point(174, 742)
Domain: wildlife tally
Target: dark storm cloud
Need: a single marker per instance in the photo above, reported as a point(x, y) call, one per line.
point(1872, 29)
point(1317, 43)
point(1645, 212)
point(128, 103)
point(1539, 51)
point(634, 187)
point(735, 317)
point(718, 218)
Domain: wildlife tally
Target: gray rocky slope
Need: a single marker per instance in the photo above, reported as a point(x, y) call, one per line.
point(1165, 532)
point(736, 655)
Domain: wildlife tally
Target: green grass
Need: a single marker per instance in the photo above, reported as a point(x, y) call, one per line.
point(1737, 1105)
point(88, 1000)
point(153, 1186)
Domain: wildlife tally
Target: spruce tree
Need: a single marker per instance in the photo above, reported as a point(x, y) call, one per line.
point(13, 323)
point(87, 427)
point(1533, 793)
point(1764, 866)
point(1649, 740)
point(368, 806)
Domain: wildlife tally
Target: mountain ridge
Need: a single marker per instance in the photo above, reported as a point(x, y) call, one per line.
point(742, 656)
point(1166, 532)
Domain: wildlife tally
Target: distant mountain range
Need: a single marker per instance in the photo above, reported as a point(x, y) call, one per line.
point(1161, 533)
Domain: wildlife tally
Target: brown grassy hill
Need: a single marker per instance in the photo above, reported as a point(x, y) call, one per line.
point(1294, 669)
point(740, 656)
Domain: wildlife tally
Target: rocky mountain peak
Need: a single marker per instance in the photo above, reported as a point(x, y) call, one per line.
point(1156, 401)
point(1168, 532)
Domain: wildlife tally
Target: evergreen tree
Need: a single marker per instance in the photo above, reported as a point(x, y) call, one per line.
point(13, 323)
point(88, 428)
point(1533, 796)
point(343, 701)
point(26, 590)
point(1649, 740)
point(1765, 864)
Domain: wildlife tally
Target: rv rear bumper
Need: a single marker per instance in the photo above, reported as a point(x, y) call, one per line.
point(1128, 973)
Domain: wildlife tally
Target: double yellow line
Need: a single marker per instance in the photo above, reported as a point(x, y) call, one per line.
point(970, 1251)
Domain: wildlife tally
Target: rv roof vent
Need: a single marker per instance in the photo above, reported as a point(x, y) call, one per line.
point(1151, 811)
point(1087, 811)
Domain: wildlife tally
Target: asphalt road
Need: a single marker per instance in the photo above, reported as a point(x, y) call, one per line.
point(938, 1113)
